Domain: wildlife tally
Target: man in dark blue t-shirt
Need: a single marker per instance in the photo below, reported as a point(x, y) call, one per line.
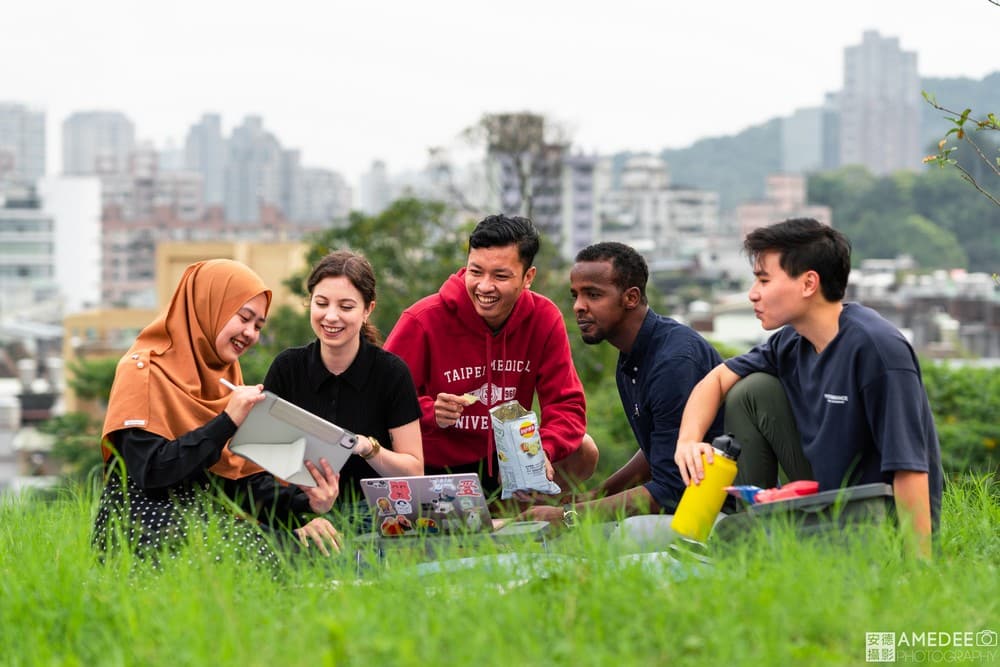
point(660, 361)
point(849, 405)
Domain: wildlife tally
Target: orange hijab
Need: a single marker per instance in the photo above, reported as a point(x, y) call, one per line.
point(168, 381)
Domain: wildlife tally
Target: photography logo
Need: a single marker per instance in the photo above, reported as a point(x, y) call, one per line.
point(880, 647)
point(931, 646)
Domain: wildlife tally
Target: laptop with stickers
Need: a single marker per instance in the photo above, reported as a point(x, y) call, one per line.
point(427, 505)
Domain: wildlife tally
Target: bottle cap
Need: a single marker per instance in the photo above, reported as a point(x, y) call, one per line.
point(728, 445)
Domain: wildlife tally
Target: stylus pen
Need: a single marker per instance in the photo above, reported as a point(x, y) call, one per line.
point(228, 383)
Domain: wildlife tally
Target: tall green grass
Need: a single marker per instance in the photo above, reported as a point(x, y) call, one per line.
point(585, 600)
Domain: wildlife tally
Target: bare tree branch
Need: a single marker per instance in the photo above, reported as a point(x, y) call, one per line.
point(967, 176)
point(960, 120)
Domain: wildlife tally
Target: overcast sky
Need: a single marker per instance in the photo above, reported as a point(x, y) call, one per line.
point(349, 82)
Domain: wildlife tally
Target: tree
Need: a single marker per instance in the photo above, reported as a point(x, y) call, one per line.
point(523, 152)
point(91, 379)
point(413, 245)
point(924, 215)
point(963, 122)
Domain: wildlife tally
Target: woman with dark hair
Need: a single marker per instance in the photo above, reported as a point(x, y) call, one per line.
point(345, 377)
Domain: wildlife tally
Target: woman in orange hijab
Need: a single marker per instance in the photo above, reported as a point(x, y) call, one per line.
point(170, 418)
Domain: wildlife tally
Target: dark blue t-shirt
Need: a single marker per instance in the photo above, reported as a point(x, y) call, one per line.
point(860, 406)
point(654, 381)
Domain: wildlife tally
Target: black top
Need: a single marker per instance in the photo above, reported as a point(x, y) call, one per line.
point(160, 466)
point(375, 394)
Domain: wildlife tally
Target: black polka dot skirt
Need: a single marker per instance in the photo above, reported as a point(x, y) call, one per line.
point(155, 524)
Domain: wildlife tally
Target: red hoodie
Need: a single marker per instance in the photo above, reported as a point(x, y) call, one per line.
point(450, 348)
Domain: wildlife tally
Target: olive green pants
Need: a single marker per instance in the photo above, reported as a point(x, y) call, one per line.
point(759, 416)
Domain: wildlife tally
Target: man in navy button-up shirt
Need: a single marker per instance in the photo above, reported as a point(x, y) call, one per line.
point(660, 361)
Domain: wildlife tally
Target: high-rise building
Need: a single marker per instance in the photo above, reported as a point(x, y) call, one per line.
point(144, 190)
point(560, 186)
point(802, 141)
point(376, 194)
point(578, 205)
point(325, 197)
point(205, 152)
point(22, 144)
point(254, 168)
point(74, 203)
point(880, 106)
point(28, 288)
point(97, 142)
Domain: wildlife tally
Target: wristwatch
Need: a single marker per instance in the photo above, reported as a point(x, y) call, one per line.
point(570, 515)
point(374, 450)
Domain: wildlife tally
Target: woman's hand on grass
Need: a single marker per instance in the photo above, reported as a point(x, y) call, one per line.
point(322, 533)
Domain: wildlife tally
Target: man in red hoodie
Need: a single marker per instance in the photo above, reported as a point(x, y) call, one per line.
point(485, 339)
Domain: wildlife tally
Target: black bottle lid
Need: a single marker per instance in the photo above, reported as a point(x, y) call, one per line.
point(728, 445)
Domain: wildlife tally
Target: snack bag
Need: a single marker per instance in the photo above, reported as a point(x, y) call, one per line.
point(519, 450)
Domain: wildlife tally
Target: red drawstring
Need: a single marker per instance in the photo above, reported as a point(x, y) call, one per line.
point(489, 404)
point(489, 382)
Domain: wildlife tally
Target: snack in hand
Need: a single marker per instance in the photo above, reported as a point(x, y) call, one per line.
point(468, 399)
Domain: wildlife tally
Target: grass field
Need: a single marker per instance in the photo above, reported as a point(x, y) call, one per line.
point(586, 600)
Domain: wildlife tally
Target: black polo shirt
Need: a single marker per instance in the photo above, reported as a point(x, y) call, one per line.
point(376, 393)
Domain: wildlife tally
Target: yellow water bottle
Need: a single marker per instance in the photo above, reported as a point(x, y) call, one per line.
point(700, 504)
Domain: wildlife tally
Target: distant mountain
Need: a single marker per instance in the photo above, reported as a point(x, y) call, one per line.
point(736, 166)
point(982, 96)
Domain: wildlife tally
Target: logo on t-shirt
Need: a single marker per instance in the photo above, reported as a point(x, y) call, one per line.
point(836, 399)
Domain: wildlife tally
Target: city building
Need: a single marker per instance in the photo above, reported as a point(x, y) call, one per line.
point(785, 198)
point(28, 287)
point(97, 142)
point(809, 138)
point(578, 205)
point(944, 314)
point(376, 193)
point(802, 141)
point(324, 197)
point(74, 203)
point(107, 332)
point(668, 224)
point(253, 172)
point(205, 152)
point(130, 248)
point(880, 106)
point(142, 187)
point(22, 144)
point(554, 187)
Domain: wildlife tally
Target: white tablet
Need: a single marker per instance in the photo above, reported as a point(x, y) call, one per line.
point(280, 437)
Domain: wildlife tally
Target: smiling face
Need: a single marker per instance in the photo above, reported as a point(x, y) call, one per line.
point(778, 299)
point(494, 279)
point(242, 330)
point(598, 303)
point(336, 311)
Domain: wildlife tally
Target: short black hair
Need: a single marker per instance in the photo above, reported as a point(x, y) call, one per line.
point(495, 231)
point(805, 244)
point(630, 269)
